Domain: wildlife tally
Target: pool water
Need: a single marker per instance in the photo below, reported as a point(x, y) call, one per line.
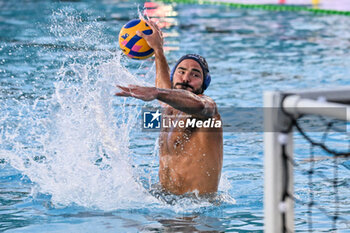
point(73, 157)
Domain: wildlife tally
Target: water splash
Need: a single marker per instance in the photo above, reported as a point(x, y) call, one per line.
point(73, 142)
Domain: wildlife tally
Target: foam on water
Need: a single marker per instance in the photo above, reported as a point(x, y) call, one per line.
point(78, 150)
point(73, 144)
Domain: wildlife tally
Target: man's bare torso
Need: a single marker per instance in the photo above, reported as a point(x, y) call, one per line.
point(190, 158)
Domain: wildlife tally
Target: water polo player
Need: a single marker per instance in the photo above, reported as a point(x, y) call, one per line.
point(190, 154)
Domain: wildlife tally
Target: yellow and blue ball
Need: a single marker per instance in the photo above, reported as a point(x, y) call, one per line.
point(133, 45)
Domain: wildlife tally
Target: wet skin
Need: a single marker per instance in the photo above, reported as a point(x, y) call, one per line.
point(190, 158)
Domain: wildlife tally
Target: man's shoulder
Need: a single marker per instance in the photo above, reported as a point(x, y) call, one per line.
point(206, 97)
point(210, 103)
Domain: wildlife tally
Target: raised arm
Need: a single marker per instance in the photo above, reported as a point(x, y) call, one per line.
point(155, 41)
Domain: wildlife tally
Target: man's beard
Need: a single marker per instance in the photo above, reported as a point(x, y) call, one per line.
point(185, 86)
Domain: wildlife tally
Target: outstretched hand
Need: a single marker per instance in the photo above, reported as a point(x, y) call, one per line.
point(139, 92)
point(154, 40)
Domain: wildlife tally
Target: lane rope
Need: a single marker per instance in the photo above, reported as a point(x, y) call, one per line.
point(268, 7)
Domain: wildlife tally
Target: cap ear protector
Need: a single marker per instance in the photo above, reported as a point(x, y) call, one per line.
point(207, 81)
point(202, 63)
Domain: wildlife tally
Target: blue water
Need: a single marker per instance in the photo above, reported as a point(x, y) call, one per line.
point(73, 157)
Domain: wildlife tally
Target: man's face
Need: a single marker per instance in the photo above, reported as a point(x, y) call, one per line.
point(188, 76)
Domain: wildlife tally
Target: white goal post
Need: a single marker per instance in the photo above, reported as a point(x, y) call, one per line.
point(276, 133)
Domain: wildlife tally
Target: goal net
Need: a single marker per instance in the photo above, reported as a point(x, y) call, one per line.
point(306, 166)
